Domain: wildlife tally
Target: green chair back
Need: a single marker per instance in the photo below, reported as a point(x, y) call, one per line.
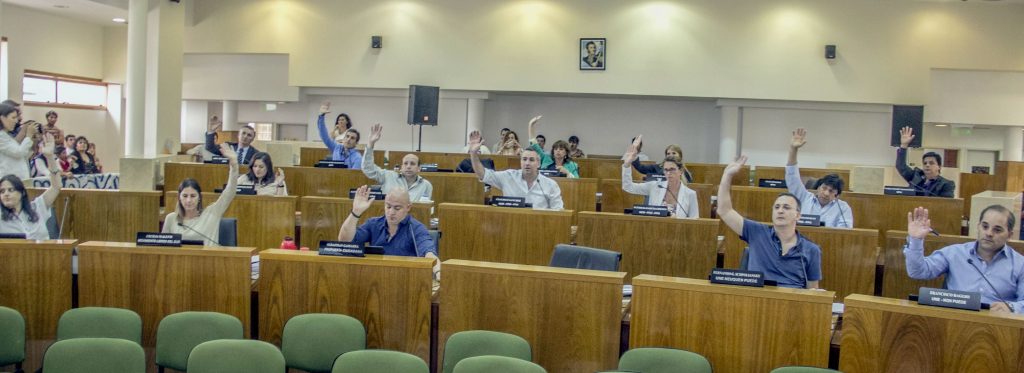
point(312, 342)
point(235, 356)
point(489, 364)
point(100, 322)
point(179, 333)
point(663, 360)
point(803, 369)
point(12, 337)
point(379, 361)
point(472, 343)
point(94, 355)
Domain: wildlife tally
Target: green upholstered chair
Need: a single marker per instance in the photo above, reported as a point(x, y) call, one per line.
point(803, 369)
point(235, 356)
point(100, 322)
point(489, 364)
point(312, 342)
point(94, 355)
point(179, 333)
point(12, 338)
point(379, 361)
point(472, 343)
point(663, 360)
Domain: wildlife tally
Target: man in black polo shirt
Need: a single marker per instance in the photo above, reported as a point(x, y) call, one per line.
point(927, 181)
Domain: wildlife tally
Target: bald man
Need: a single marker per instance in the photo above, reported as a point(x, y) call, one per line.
point(408, 178)
point(396, 231)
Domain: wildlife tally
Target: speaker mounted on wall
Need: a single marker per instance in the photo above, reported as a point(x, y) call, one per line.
point(907, 116)
point(423, 105)
point(830, 52)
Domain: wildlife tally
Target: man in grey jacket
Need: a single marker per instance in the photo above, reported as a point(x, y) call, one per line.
point(408, 176)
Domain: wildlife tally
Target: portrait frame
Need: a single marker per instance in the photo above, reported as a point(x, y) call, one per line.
point(596, 59)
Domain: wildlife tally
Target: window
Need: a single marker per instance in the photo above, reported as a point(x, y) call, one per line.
point(264, 131)
point(41, 88)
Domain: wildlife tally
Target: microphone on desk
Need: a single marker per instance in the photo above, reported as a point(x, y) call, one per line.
point(673, 195)
point(63, 217)
point(180, 224)
point(994, 291)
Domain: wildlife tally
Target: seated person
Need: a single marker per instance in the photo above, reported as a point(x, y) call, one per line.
point(483, 148)
point(419, 189)
point(243, 148)
point(83, 162)
point(397, 231)
point(193, 221)
point(559, 158)
point(17, 214)
point(509, 145)
point(825, 201)
point(526, 182)
point(342, 123)
point(343, 148)
point(574, 148)
point(927, 181)
point(778, 250)
point(680, 199)
point(260, 177)
point(671, 151)
point(963, 264)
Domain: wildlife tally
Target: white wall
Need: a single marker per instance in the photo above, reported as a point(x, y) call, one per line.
point(243, 77)
point(976, 97)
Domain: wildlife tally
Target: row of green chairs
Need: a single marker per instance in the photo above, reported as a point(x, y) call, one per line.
point(12, 338)
point(667, 360)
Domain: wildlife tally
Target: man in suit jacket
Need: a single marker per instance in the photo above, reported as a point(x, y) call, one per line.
point(243, 147)
point(928, 180)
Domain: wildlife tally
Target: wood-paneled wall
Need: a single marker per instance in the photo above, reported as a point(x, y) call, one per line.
point(971, 184)
point(779, 173)
point(323, 182)
point(502, 235)
point(209, 176)
point(105, 214)
point(885, 213)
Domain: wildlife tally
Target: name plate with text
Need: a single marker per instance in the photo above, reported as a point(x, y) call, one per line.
point(428, 167)
point(771, 183)
point(331, 164)
point(650, 210)
point(899, 191)
point(736, 277)
point(965, 300)
point(377, 194)
point(340, 248)
point(809, 220)
point(552, 173)
point(505, 201)
point(217, 160)
point(158, 239)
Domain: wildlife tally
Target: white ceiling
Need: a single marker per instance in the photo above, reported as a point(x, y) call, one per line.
point(95, 11)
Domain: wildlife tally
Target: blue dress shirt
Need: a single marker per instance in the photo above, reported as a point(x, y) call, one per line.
point(411, 239)
point(801, 264)
point(1006, 271)
point(351, 157)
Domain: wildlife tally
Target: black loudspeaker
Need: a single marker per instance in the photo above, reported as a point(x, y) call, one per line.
point(423, 105)
point(830, 52)
point(376, 42)
point(907, 116)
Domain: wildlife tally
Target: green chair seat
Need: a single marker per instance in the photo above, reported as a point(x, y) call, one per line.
point(379, 361)
point(312, 342)
point(489, 364)
point(12, 338)
point(179, 333)
point(94, 355)
point(663, 360)
point(235, 356)
point(472, 343)
point(803, 369)
point(100, 322)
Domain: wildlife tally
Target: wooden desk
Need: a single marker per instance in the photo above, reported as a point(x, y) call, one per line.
point(896, 283)
point(577, 194)
point(322, 217)
point(502, 235)
point(309, 156)
point(711, 173)
point(603, 168)
point(445, 161)
point(209, 176)
point(779, 173)
point(971, 184)
point(738, 329)
point(323, 182)
point(106, 214)
point(455, 187)
point(263, 221)
point(651, 245)
point(890, 335)
point(615, 200)
point(390, 295)
point(1009, 176)
point(159, 281)
point(755, 203)
point(37, 283)
point(885, 213)
point(571, 317)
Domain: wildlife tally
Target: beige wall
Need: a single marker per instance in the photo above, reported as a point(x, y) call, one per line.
point(697, 48)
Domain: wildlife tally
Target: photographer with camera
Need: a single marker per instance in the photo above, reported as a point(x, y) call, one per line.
point(15, 144)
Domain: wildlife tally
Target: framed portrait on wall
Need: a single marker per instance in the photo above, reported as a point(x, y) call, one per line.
point(593, 53)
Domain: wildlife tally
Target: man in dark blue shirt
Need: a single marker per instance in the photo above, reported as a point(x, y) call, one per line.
point(397, 232)
point(777, 250)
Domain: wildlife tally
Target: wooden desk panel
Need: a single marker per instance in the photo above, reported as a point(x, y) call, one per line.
point(159, 281)
point(323, 182)
point(896, 283)
point(390, 295)
point(455, 187)
point(263, 221)
point(1009, 176)
point(578, 194)
point(209, 176)
point(889, 335)
point(971, 184)
point(106, 214)
point(651, 245)
point(755, 203)
point(445, 161)
point(570, 317)
point(738, 329)
point(37, 283)
point(502, 235)
point(885, 213)
point(711, 173)
point(322, 217)
point(309, 156)
point(603, 168)
point(779, 173)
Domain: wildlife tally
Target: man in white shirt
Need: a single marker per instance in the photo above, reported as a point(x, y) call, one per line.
point(527, 182)
point(824, 201)
point(409, 179)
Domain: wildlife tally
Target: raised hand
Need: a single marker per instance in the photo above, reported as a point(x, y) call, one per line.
point(375, 133)
point(215, 124)
point(918, 223)
point(325, 107)
point(48, 145)
point(362, 200)
point(906, 136)
point(227, 152)
point(799, 138)
point(535, 120)
point(475, 141)
point(631, 151)
point(735, 166)
point(279, 176)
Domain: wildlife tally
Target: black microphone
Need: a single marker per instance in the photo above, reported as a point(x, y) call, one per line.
point(996, 292)
point(666, 188)
point(181, 224)
point(63, 217)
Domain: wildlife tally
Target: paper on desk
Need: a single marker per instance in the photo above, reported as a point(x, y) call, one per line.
point(838, 308)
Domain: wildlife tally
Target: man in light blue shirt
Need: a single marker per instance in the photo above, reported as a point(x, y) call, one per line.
point(825, 201)
point(343, 148)
point(1002, 284)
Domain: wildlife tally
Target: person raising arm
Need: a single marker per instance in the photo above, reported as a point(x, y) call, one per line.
point(825, 201)
point(559, 158)
point(409, 179)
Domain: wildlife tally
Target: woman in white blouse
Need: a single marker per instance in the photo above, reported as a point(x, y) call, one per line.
point(671, 192)
point(24, 217)
point(193, 221)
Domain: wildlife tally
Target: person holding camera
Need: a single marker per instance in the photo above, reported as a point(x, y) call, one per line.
point(15, 144)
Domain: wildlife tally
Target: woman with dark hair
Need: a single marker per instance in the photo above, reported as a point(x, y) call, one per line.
point(17, 214)
point(559, 158)
point(39, 164)
point(671, 192)
point(342, 123)
point(83, 163)
point(190, 219)
point(260, 177)
point(510, 145)
point(15, 144)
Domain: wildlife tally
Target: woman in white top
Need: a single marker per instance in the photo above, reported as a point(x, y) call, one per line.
point(671, 192)
point(190, 219)
point(259, 176)
point(15, 147)
point(18, 214)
